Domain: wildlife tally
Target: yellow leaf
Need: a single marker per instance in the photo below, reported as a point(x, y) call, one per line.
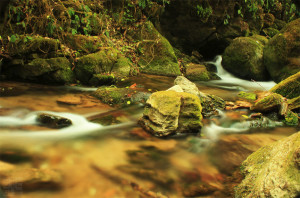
point(245, 116)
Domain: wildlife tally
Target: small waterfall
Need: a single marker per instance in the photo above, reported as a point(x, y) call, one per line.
point(229, 81)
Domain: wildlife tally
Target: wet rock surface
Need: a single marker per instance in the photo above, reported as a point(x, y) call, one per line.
point(281, 54)
point(170, 112)
point(272, 170)
point(53, 121)
point(244, 58)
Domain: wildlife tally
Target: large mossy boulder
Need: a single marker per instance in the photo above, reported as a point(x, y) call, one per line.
point(53, 70)
point(157, 55)
point(28, 46)
point(272, 171)
point(281, 54)
point(169, 112)
point(105, 61)
point(244, 58)
point(289, 88)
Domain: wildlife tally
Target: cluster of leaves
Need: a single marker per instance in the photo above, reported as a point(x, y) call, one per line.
point(204, 12)
point(289, 9)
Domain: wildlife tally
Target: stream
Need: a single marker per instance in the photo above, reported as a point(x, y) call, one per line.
point(114, 157)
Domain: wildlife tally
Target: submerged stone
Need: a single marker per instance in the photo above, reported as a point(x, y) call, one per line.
point(272, 171)
point(169, 112)
point(53, 121)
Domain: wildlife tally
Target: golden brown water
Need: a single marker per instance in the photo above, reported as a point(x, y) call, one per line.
point(129, 163)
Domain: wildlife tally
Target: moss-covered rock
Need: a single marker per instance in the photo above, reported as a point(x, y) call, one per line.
point(170, 112)
point(113, 95)
point(104, 61)
point(272, 171)
point(268, 103)
point(53, 70)
point(157, 55)
point(209, 102)
point(281, 54)
point(244, 58)
point(291, 118)
point(289, 87)
point(24, 46)
point(294, 103)
point(102, 79)
point(197, 72)
point(270, 32)
point(247, 95)
point(84, 44)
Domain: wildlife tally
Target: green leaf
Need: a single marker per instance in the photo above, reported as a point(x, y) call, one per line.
point(29, 38)
point(107, 33)
point(13, 38)
point(74, 31)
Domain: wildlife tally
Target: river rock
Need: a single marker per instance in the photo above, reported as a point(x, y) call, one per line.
point(289, 88)
point(268, 103)
point(105, 61)
point(21, 179)
point(170, 112)
point(231, 150)
point(53, 121)
point(272, 171)
point(54, 70)
point(244, 58)
point(158, 55)
point(209, 102)
point(197, 72)
point(281, 54)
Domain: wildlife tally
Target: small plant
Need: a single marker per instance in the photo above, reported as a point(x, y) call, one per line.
point(204, 13)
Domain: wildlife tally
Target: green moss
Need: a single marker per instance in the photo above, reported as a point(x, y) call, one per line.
point(248, 96)
point(56, 70)
point(102, 79)
point(291, 118)
point(281, 51)
point(294, 103)
point(157, 56)
point(244, 58)
point(104, 61)
point(268, 103)
point(113, 95)
point(84, 44)
point(270, 32)
point(41, 45)
point(290, 87)
point(197, 72)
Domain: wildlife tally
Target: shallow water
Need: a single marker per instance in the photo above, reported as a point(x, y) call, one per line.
point(118, 159)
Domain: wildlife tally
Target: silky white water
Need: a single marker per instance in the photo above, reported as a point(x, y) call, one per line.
point(229, 81)
point(80, 127)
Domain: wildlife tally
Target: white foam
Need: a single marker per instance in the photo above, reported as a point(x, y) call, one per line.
point(80, 127)
point(229, 81)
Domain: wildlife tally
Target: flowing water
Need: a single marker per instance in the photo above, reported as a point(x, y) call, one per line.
point(115, 157)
